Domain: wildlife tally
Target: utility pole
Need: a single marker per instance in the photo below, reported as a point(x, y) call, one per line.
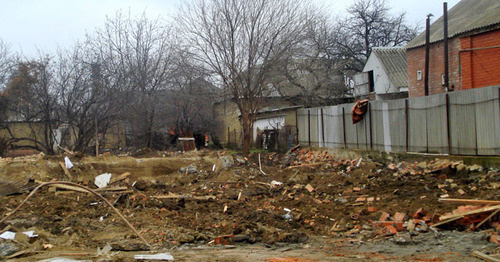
point(446, 83)
point(427, 53)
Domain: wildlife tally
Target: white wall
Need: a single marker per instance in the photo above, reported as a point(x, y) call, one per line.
point(268, 123)
point(382, 83)
point(361, 84)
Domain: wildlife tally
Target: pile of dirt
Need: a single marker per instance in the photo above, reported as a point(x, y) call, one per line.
point(211, 197)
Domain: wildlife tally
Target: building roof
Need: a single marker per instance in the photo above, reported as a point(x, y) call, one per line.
point(393, 59)
point(465, 16)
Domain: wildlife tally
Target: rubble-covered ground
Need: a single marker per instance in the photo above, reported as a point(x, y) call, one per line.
point(215, 206)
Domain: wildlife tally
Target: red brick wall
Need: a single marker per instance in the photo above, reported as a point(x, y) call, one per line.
point(480, 68)
point(416, 61)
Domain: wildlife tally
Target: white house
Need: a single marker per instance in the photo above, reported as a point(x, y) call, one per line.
point(385, 74)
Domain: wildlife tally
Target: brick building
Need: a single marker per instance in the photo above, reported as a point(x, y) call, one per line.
point(473, 49)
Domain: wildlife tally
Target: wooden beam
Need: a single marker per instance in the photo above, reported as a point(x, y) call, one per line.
point(120, 177)
point(447, 221)
point(66, 171)
point(469, 201)
point(485, 257)
point(472, 212)
point(488, 218)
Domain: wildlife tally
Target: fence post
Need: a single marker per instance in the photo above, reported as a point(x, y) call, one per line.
point(296, 125)
point(407, 120)
point(343, 126)
point(370, 124)
point(448, 133)
point(322, 129)
point(309, 127)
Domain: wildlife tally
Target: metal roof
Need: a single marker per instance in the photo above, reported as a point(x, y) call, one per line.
point(465, 16)
point(393, 59)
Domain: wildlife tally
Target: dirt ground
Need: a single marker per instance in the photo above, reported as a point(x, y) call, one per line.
point(214, 206)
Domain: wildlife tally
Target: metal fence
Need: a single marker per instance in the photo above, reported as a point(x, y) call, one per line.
point(460, 123)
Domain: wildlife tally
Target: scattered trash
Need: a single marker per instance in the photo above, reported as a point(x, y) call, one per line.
point(276, 184)
point(159, 257)
point(102, 180)
point(67, 163)
point(12, 235)
point(288, 215)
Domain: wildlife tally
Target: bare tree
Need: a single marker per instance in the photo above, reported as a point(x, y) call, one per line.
point(135, 56)
point(86, 103)
point(33, 100)
point(7, 66)
point(240, 41)
point(310, 75)
point(189, 102)
point(369, 24)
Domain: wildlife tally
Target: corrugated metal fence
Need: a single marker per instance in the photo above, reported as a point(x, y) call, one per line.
point(461, 123)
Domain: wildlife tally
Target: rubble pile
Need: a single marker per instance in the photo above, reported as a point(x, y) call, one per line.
point(213, 198)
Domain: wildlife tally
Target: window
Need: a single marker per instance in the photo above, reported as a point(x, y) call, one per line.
point(419, 75)
point(371, 82)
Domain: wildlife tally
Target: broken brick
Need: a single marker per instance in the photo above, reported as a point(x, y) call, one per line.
point(384, 216)
point(399, 216)
point(309, 188)
point(224, 240)
point(361, 199)
point(494, 238)
point(372, 209)
point(356, 189)
point(397, 225)
point(390, 230)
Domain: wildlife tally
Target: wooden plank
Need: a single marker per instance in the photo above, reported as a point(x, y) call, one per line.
point(488, 218)
point(120, 177)
point(447, 221)
point(174, 196)
point(473, 212)
point(122, 188)
point(68, 187)
point(485, 257)
point(66, 171)
point(470, 201)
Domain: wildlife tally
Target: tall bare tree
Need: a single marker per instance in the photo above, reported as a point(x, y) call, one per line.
point(33, 100)
point(369, 24)
point(189, 103)
point(86, 103)
point(135, 56)
point(240, 41)
point(311, 75)
point(7, 66)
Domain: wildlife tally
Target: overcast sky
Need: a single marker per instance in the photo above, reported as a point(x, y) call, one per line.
point(29, 25)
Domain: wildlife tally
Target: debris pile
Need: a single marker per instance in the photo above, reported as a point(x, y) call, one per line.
point(217, 199)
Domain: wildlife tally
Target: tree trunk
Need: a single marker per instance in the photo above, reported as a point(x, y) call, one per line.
point(247, 132)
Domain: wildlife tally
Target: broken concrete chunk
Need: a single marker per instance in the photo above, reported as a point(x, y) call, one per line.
point(402, 238)
point(475, 168)
point(8, 248)
point(191, 169)
point(226, 162)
